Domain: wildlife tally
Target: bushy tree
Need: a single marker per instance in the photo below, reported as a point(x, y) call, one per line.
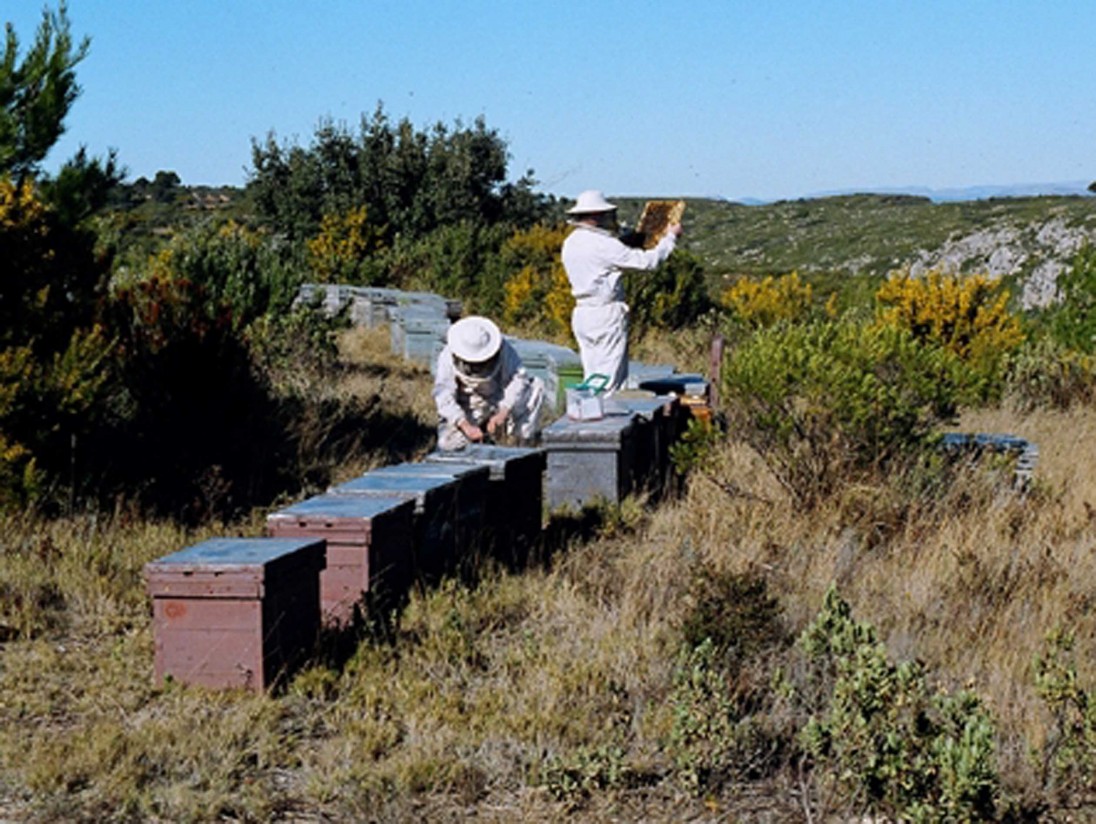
point(673, 296)
point(52, 351)
point(536, 293)
point(36, 92)
point(411, 182)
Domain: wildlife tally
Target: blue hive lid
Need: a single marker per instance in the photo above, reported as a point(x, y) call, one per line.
point(237, 552)
point(342, 506)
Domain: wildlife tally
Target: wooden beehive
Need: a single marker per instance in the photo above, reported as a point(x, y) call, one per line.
point(449, 509)
point(515, 495)
point(590, 461)
point(368, 547)
point(235, 612)
point(656, 218)
point(657, 428)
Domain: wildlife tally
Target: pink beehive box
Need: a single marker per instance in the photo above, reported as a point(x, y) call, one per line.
point(235, 612)
point(369, 547)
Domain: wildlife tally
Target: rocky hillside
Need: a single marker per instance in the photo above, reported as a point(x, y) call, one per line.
point(1027, 240)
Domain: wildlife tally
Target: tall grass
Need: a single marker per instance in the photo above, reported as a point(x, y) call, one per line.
point(558, 689)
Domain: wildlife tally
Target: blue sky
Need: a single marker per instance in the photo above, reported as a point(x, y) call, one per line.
point(760, 98)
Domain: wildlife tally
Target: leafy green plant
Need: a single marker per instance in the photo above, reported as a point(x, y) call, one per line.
point(712, 740)
point(824, 400)
point(1067, 760)
point(1045, 373)
point(672, 296)
point(576, 776)
point(882, 739)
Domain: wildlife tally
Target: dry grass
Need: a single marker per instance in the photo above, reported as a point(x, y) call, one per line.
point(487, 696)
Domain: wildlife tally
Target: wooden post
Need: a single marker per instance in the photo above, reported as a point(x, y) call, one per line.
point(715, 368)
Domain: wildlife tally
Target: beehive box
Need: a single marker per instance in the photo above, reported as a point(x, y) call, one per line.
point(639, 373)
point(590, 460)
point(235, 612)
point(514, 508)
point(467, 517)
point(368, 548)
point(369, 305)
point(424, 335)
point(448, 509)
point(657, 428)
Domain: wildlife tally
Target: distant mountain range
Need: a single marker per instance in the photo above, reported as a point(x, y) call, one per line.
point(1075, 187)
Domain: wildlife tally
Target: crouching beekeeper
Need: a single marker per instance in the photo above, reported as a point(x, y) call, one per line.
point(481, 389)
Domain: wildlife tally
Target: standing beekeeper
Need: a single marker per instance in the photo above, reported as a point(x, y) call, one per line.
point(481, 389)
point(594, 257)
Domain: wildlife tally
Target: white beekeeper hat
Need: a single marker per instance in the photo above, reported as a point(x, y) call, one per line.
point(591, 202)
point(474, 339)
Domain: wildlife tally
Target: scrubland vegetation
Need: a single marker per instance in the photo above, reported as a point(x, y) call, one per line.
point(833, 620)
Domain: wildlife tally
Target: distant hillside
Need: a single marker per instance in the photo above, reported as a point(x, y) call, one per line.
point(1027, 240)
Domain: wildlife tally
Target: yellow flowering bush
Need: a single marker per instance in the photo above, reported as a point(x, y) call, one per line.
point(967, 315)
point(538, 295)
point(760, 303)
point(344, 242)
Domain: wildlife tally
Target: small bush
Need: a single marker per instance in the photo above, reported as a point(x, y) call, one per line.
point(882, 740)
point(576, 776)
point(1046, 374)
point(822, 401)
point(1067, 760)
point(967, 315)
point(735, 613)
point(759, 303)
point(713, 739)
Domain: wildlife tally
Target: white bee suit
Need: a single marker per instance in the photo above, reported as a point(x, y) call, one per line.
point(461, 396)
point(594, 260)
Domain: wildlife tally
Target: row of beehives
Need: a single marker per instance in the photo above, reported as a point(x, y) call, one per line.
point(243, 612)
point(418, 322)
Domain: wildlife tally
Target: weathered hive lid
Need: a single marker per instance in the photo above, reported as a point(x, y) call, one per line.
point(231, 566)
point(346, 507)
point(462, 470)
point(492, 456)
point(605, 432)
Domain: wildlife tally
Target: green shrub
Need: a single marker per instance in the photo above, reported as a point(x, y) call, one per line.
point(823, 400)
point(1047, 374)
point(882, 740)
point(673, 296)
point(1067, 760)
point(713, 739)
point(239, 273)
point(574, 777)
